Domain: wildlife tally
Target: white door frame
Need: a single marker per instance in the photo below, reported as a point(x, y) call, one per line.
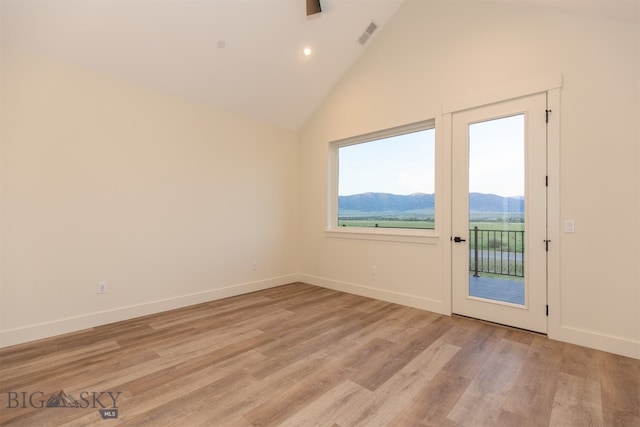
point(551, 84)
point(531, 313)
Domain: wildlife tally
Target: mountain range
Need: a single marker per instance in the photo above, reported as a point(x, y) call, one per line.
point(421, 203)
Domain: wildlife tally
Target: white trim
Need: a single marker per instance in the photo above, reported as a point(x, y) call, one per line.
point(530, 86)
point(332, 194)
point(532, 315)
point(554, 328)
point(425, 237)
point(379, 294)
point(386, 133)
point(443, 204)
point(551, 85)
point(609, 343)
point(72, 324)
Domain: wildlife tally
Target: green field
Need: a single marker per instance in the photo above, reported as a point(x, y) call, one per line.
point(387, 223)
point(493, 237)
point(494, 225)
point(486, 241)
point(426, 224)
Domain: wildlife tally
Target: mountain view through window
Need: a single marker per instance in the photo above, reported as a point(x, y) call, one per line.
point(388, 182)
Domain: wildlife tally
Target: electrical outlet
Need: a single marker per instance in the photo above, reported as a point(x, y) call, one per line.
point(102, 287)
point(374, 270)
point(254, 265)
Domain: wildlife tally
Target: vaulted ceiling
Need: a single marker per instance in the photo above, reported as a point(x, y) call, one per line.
point(244, 56)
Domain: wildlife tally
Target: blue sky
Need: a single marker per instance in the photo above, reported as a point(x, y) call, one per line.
point(405, 164)
point(399, 165)
point(496, 156)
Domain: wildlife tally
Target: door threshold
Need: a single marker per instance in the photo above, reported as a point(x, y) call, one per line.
point(499, 324)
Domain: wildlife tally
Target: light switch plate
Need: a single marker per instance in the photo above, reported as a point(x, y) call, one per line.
point(569, 226)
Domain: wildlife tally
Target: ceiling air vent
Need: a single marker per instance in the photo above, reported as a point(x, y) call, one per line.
point(368, 32)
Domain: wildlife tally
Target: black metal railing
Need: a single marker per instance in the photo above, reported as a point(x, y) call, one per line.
point(496, 252)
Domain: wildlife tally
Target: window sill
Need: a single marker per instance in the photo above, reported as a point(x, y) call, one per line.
point(424, 237)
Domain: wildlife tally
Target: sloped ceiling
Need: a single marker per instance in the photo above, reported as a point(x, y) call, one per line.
point(243, 56)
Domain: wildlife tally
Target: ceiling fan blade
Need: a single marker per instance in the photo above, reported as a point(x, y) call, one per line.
point(313, 7)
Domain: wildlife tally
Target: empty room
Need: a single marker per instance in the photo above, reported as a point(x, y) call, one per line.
point(333, 213)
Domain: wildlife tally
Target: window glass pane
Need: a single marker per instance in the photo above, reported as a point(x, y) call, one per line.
point(496, 209)
point(388, 182)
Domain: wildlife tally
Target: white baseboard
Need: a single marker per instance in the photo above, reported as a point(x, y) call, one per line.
point(608, 343)
point(72, 324)
point(384, 295)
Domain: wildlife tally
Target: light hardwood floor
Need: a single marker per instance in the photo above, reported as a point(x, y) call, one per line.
point(299, 355)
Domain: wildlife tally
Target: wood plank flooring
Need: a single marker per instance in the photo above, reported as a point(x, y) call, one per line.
point(300, 355)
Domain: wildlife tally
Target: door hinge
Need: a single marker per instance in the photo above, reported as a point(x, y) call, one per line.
point(547, 309)
point(546, 245)
point(546, 181)
point(546, 115)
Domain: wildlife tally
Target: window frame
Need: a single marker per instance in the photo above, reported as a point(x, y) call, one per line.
point(406, 235)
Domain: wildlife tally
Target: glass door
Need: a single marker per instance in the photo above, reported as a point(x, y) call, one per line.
point(499, 213)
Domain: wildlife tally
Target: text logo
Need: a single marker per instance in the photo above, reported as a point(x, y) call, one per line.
point(105, 401)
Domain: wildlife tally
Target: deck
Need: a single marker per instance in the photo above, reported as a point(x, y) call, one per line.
point(505, 290)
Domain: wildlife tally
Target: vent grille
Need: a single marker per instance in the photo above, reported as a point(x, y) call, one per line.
point(368, 32)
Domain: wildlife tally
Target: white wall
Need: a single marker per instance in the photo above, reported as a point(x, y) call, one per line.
point(166, 200)
point(435, 53)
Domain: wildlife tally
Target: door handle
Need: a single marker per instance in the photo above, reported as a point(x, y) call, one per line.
point(458, 239)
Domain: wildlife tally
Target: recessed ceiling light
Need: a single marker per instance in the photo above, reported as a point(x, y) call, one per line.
point(306, 51)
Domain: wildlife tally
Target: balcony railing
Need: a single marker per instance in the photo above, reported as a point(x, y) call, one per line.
point(496, 252)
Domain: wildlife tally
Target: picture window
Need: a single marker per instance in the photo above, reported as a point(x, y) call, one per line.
point(386, 180)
